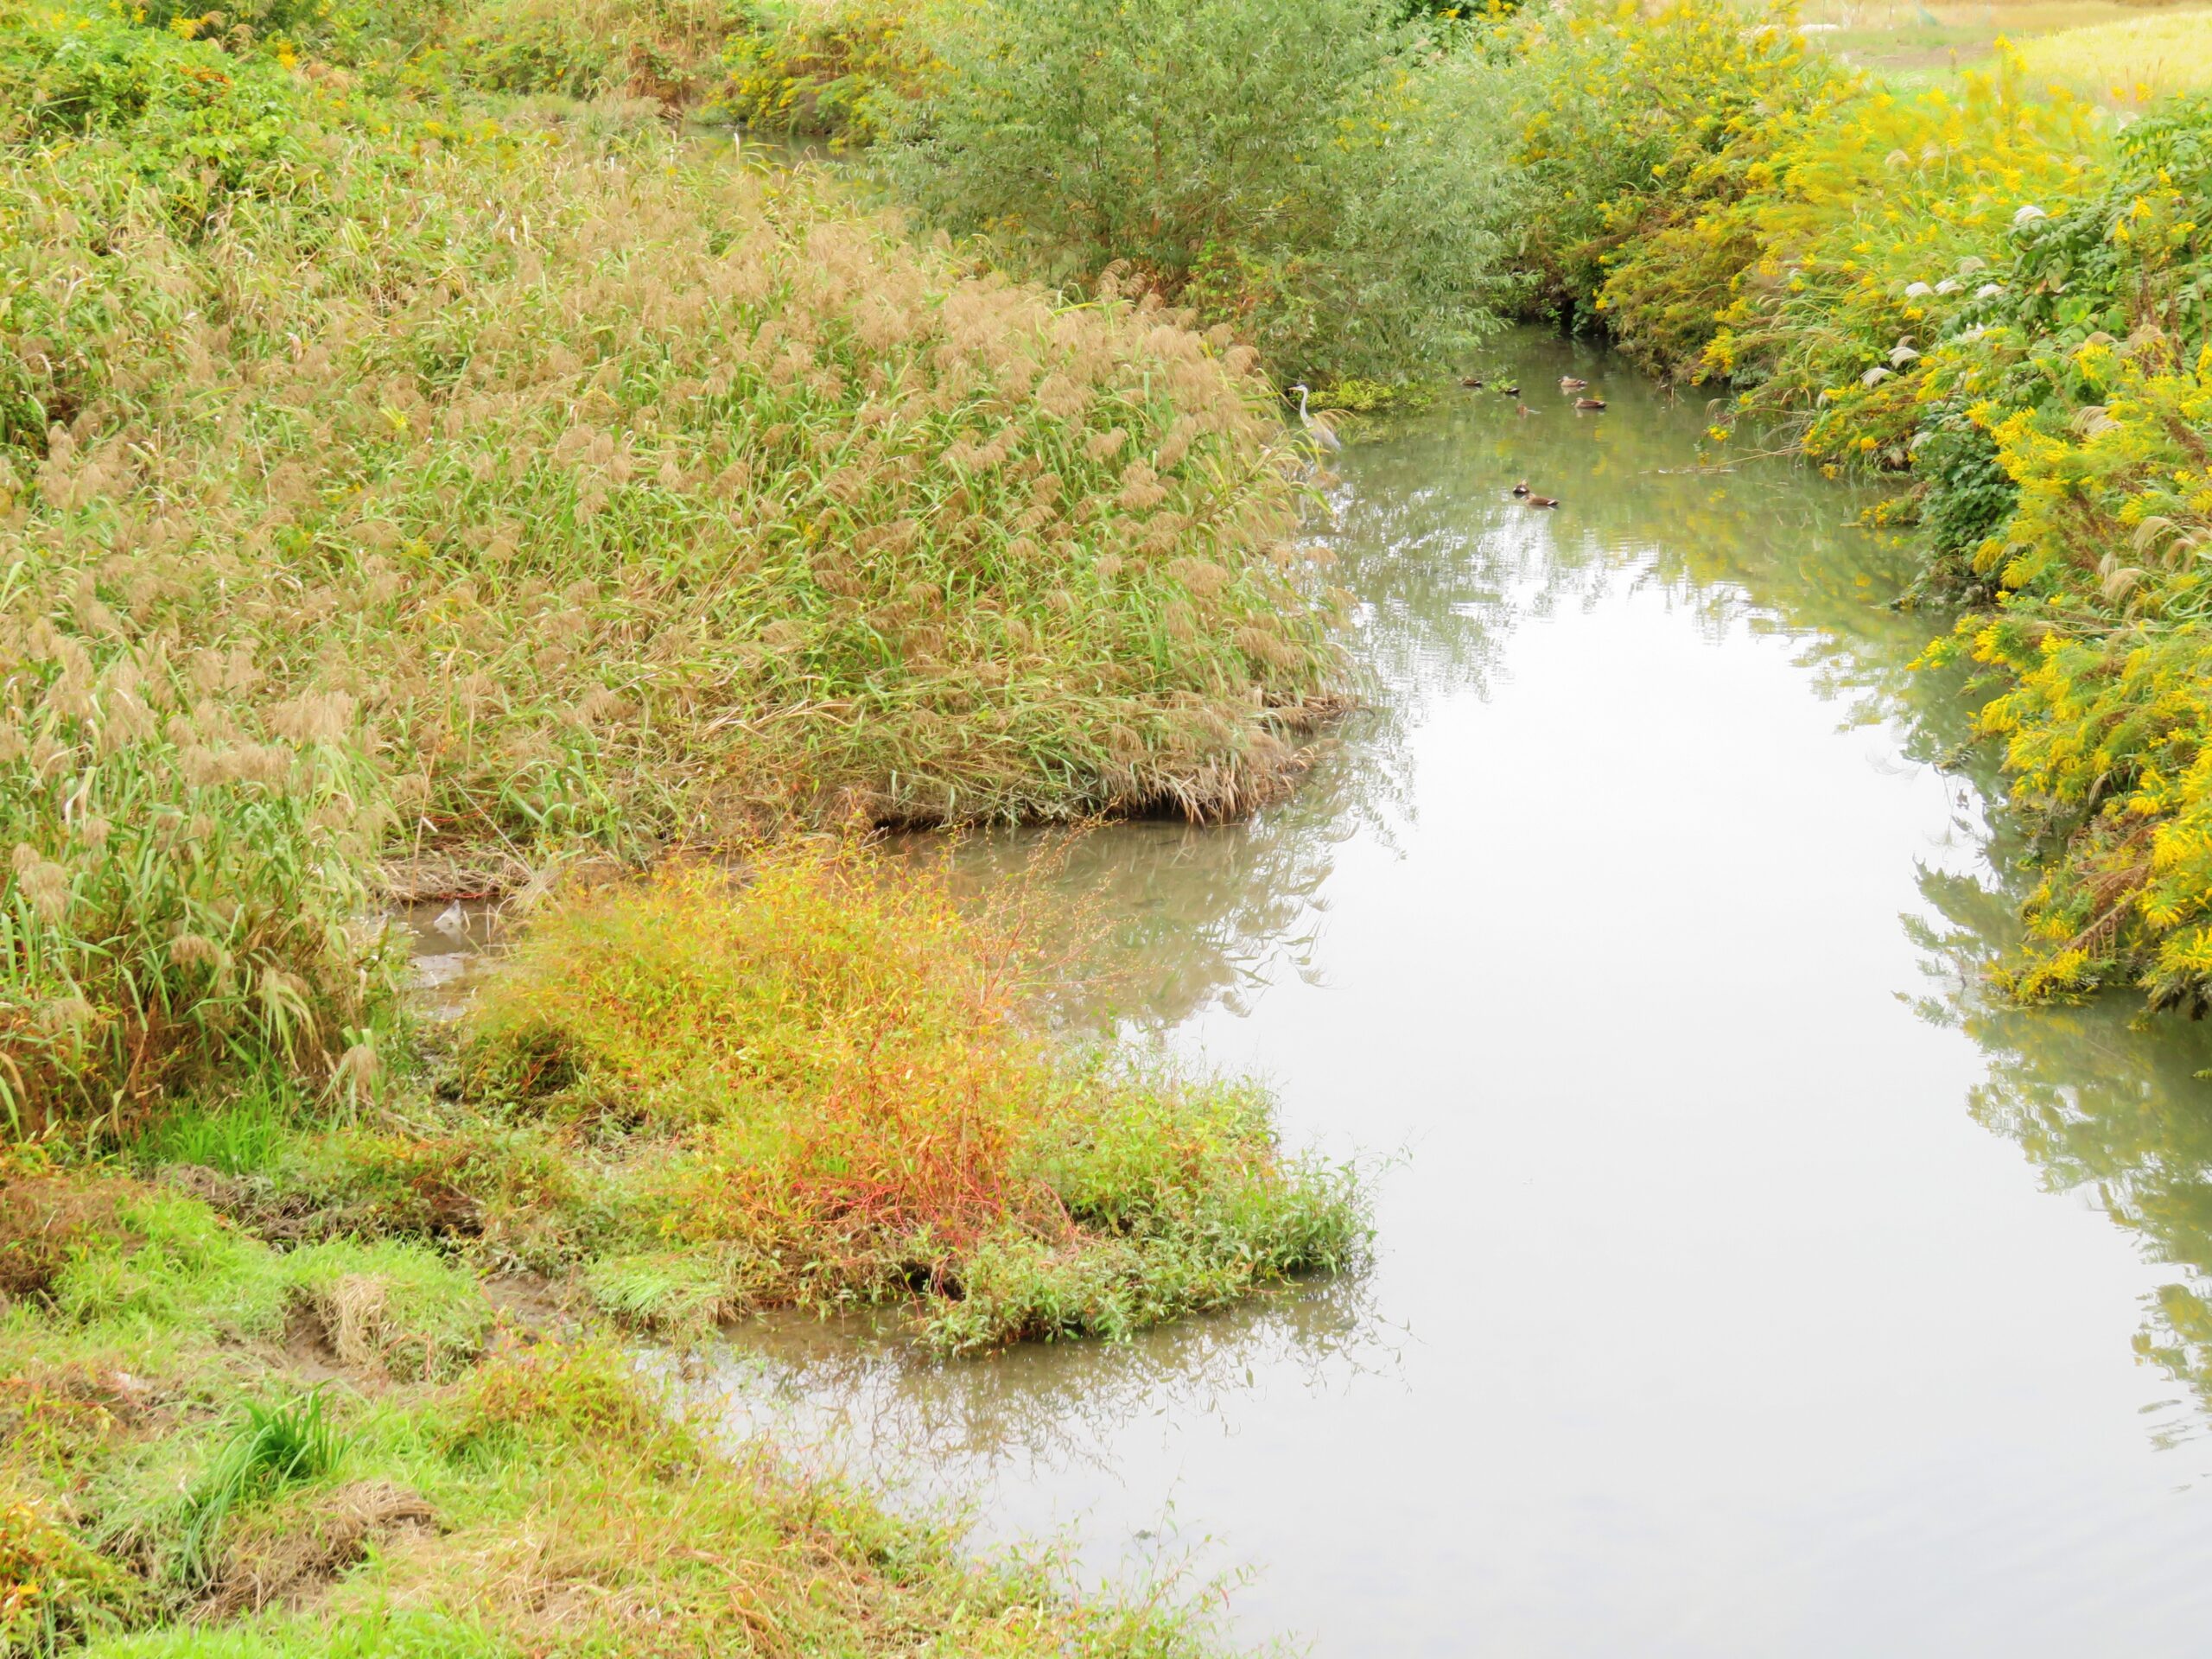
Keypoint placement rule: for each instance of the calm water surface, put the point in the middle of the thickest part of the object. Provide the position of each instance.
(1745, 1286)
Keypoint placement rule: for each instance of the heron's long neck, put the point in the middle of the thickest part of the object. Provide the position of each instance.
(1301, 402)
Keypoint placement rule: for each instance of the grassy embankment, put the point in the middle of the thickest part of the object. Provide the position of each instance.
(419, 468)
(600, 497)
(343, 1449)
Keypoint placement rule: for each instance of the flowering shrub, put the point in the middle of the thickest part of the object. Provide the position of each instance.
(2103, 567)
(1885, 226)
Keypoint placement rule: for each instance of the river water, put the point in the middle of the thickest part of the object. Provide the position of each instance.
(1745, 1284)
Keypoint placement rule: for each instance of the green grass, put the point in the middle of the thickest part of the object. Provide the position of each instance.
(240, 1134)
(287, 1444)
(541, 1499)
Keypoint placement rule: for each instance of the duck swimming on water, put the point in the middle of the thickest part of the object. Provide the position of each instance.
(1589, 402)
(1522, 488)
(1568, 383)
(1542, 501)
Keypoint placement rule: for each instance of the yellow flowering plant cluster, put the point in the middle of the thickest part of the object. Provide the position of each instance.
(2106, 627)
(826, 71)
(1642, 131)
(2068, 435)
(1882, 226)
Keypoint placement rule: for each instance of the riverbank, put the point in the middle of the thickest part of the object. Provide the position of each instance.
(1770, 1249)
(350, 1448)
(280, 1362)
(425, 473)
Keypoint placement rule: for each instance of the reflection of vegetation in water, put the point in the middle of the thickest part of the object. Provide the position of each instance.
(2101, 1098)
(892, 1414)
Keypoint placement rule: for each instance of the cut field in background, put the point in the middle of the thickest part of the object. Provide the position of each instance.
(2094, 46)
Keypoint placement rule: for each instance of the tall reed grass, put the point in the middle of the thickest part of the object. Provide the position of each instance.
(397, 499)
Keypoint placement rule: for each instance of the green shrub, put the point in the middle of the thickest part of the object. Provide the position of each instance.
(1307, 172)
(188, 121)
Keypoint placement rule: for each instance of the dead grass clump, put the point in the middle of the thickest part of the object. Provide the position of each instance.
(44, 1217)
(292, 1553)
(391, 1311)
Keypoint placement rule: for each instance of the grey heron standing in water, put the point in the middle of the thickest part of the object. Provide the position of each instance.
(1315, 428)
